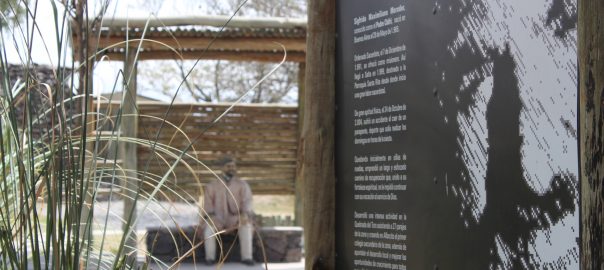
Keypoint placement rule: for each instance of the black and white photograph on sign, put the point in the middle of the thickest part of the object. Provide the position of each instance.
(456, 141)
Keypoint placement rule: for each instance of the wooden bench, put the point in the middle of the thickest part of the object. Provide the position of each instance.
(281, 244)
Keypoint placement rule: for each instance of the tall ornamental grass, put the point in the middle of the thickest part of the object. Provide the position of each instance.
(54, 158)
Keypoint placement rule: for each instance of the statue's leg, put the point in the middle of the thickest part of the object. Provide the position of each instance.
(209, 243)
(245, 240)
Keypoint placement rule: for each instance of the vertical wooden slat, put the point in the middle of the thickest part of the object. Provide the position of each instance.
(298, 203)
(265, 138)
(317, 138)
(128, 154)
(591, 122)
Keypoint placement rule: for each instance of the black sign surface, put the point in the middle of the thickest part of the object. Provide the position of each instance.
(456, 135)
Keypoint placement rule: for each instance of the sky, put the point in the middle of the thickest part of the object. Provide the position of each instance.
(44, 46)
(44, 50)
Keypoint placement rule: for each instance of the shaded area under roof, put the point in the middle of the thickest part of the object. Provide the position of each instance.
(203, 37)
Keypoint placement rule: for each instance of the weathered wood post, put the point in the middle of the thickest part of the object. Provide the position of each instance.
(317, 138)
(298, 204)
(128, 155)
(84, 52)
(591, 113)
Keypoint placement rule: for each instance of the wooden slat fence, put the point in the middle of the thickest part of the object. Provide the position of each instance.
(262, 137)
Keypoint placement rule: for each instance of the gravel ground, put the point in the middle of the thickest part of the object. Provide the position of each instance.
(155, 215)
(238, 266)
(168, 214)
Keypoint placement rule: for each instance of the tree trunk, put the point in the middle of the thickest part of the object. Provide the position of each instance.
(317, 140)
(591, 120)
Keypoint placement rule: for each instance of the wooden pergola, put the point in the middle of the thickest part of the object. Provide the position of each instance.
(187, 38)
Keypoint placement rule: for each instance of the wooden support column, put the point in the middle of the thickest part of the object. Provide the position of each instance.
(298, 216)
(83, 51)
(317, 140)
(591, 119)
(129, 128)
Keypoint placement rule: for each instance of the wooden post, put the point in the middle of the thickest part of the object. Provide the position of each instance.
(298, 216)
(591, 145)
(129, 128)
(84, 51)
(317, 138)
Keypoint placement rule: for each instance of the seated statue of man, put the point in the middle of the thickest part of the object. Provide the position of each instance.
(227, 203)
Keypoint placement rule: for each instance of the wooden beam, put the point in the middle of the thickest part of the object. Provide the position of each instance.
(210, 20)
(298, 204)
(317, 137)
(292, 56)
(591, 145)
(200, 43)
(220, 106)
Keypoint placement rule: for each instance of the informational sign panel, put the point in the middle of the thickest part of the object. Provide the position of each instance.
(456, 134)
